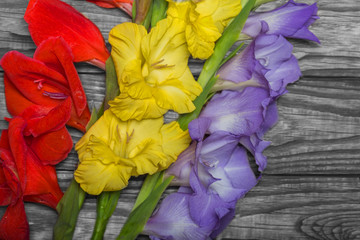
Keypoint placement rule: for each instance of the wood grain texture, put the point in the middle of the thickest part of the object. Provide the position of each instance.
(311, 187)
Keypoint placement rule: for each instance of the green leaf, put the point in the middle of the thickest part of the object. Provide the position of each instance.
(232, 54)
(260, 2)
(68, 209)
(199, 102)
(159, 11)
(146, 188)
(143, 12)
(94, 117)
(138, 217)
(223, 45)
(112, 86)
(106, 204)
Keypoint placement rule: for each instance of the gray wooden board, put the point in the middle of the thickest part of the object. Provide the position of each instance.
(311, 187)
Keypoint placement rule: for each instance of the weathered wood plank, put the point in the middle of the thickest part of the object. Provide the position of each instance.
(310, 189)
(318, 130)
(337, 28)
(278, 208)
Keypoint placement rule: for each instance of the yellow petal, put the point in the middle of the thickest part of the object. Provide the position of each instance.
(95, 177)
(125, 40)
(165, 50)
(125, 108)
(180, 10)
(188, 82)
(133, 82)
(175, 140)
(221, 11)
(147, 157)
(172, 95)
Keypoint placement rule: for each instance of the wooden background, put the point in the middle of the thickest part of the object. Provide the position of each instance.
(311, 188)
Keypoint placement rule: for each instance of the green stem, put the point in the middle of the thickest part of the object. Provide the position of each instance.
(106, 204)
(223, 45)
(68, 209)
(138, 217)
(146, 188)
(159, 11)
(260, 2)
(199, 102)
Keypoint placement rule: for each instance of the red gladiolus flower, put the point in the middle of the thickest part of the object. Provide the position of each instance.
(52, 18)
(125, 5)
(35, 141)
(45, 80)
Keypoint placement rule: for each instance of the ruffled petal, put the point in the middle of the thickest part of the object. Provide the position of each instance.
(95, 173)
(127, 108)
(164, 50)
(173, 221)
(174, 141)
(125, 40)
(239, 113)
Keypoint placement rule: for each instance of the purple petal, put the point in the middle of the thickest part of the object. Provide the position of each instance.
(198, 127)
(206, 208)
(276, 63)
(182, 167)
(272, 50)
(235, 178)
(270, 115)
(290, 20)
(241, 66)
(239, 113)
(256, 146)
(173, 221)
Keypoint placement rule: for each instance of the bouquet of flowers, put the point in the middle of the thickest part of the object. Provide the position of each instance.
(207, 152)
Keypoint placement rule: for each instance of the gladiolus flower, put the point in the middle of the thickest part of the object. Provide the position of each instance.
(113, 150)
(205, 21)
(290, 20)
(53, 18)
(152, 70)
(35, 141)
(267, 62)
(46, 80)
(125, 5)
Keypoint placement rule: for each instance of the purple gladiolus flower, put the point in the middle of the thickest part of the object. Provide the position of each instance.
(291, 20)
(267, 62)
(239, 113)
(221, 165)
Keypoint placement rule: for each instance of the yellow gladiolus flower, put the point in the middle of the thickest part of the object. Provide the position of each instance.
(113, 150)
(205, 21)
(152, 70)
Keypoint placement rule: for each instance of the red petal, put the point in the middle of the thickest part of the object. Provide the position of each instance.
(32, 79)
(4, 139)
(55, 53)
(18, 148)
(40, 121)
(53, 147)
(45, 199)
(110, 3)
(81, 121)
(14, 225)
(12, 95)
(41, 180)
(52, 18)
(9, 179)
(22, 91)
